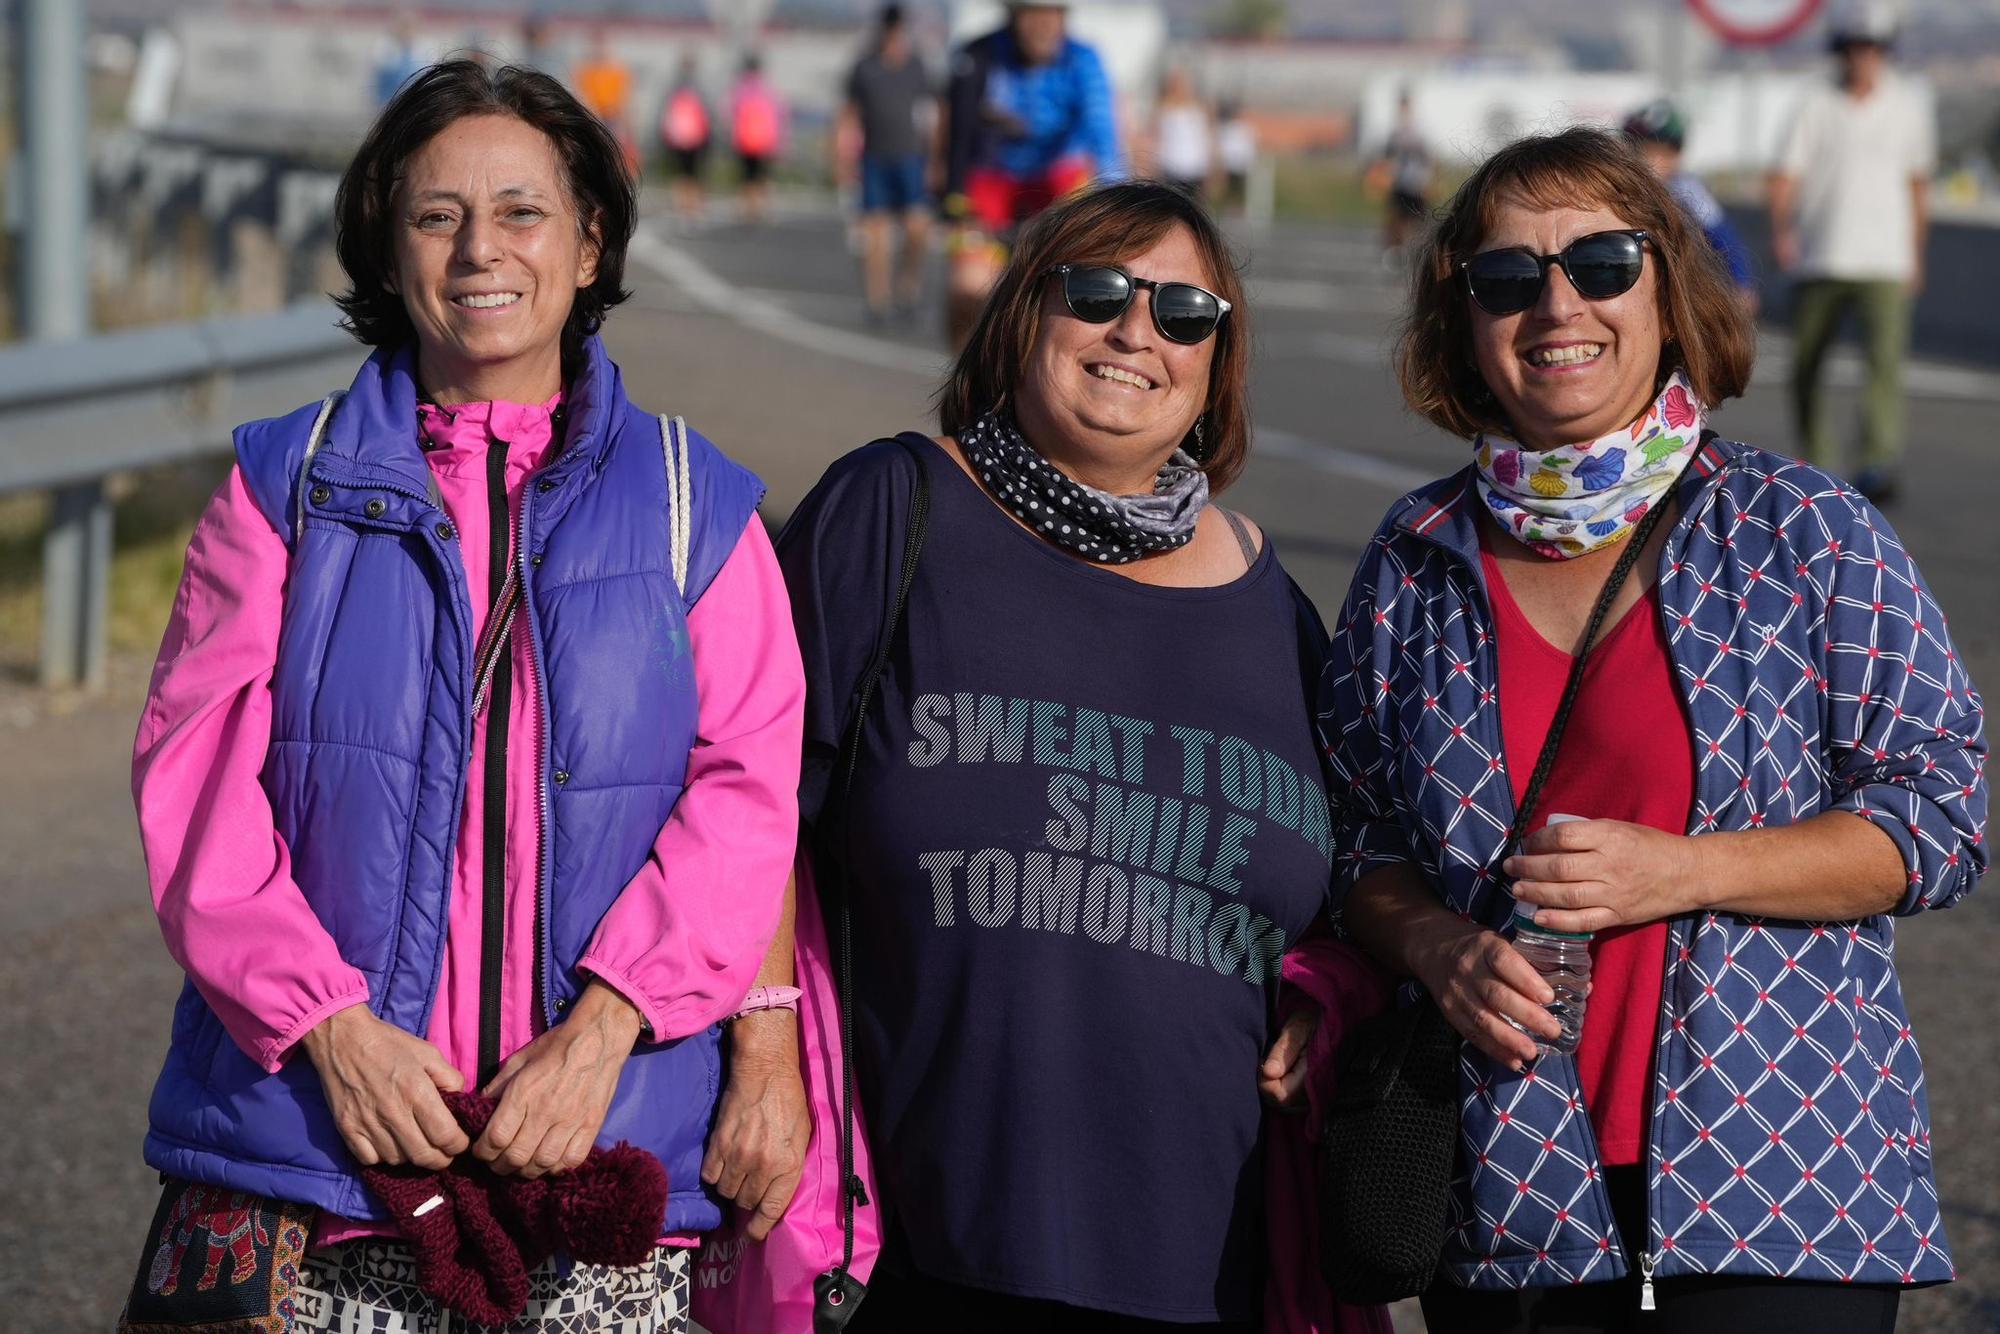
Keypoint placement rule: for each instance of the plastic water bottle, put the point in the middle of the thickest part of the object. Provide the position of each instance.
(1563, 960)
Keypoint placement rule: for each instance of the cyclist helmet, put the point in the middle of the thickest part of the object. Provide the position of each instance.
(1659, 121)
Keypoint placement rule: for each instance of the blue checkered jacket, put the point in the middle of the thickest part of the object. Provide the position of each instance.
(1789, 1132)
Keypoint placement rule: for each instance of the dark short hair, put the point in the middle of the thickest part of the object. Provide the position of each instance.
(1106, 225)
(593, 169)
(1708, 333)
(891, 16)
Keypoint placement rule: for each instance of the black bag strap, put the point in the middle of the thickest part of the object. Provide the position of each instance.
(836, 1292)
(1545, 763)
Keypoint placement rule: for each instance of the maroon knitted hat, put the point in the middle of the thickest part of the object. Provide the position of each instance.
(477, 1235)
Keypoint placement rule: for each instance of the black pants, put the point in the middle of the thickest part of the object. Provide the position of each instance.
(1695, 1304)
(906, 1304)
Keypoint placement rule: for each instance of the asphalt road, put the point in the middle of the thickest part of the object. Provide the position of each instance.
(756, 336)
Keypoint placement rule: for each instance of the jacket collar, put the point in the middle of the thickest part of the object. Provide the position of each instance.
(1446, 513)
(375, 428)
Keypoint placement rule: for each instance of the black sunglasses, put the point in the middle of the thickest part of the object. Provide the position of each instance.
(1600, 266)
(1099, 294)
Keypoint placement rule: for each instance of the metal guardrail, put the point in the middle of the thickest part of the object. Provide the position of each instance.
(73, 413)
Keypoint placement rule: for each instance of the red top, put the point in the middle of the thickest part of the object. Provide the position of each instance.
(1627, 755)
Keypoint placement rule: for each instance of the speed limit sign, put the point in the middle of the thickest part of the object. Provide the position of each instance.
(1755, 22)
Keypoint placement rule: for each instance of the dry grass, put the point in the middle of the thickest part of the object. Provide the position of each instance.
(155, 512)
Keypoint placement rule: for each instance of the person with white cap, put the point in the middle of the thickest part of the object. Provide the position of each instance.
(1849, 219)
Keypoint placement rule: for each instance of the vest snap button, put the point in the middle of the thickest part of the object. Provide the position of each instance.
(320, 495)
(535, 560)
(562, 776)
(376, 507)
(545, 486)
(561, 1005)
(446, 532)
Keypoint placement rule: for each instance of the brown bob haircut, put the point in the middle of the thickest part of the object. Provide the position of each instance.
(364, 208)
(1106, 225)
(1708, 335)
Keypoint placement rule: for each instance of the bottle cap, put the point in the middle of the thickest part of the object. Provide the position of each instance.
(1524, 920)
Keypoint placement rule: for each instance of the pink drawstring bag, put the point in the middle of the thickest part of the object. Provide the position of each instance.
(742, 1286)
(1347, 988)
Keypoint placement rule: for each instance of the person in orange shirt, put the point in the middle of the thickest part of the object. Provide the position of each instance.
(604, 84)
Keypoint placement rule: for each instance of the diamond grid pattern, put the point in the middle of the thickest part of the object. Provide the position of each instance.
(1790, 1134)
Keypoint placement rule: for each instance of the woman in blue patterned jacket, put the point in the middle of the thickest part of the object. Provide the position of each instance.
(1774, 752)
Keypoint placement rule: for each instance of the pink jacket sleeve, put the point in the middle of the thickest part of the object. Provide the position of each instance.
(221, 876)
(685, 939)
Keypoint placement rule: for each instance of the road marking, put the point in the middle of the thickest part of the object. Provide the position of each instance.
(1394, 477)
(757, 310)
(1845, 368)
(716, 293)
(1331, 298)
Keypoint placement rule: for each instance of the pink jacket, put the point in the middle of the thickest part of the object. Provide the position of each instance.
(242, 930)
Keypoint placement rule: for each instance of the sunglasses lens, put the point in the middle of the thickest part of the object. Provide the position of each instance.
(1185, 313)
(1096, 295)
(1606, 264)
(1504, 282)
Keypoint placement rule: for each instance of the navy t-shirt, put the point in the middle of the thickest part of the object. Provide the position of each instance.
(1087, 821)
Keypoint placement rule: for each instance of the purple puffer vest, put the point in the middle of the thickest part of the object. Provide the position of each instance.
(370, 739)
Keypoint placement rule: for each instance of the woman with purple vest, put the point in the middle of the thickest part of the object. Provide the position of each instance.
(471, 754)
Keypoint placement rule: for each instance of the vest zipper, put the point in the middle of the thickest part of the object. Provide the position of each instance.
(539, 693)
(1646, 1281)
(493, 820)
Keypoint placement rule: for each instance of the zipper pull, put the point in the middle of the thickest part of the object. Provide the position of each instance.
(1646, 1283)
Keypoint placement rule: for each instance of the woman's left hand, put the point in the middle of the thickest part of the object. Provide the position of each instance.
(1281, 1078)
(554, 1092)
(1587, 875)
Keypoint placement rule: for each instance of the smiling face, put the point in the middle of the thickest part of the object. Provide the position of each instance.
(489, 256)
(1109, 403)
(1568, 370)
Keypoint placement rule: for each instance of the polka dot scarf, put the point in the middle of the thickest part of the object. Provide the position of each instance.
(1101, 527)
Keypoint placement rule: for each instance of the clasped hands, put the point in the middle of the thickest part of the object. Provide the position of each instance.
(385, 1089)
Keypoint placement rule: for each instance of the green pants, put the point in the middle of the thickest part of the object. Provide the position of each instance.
(1817, 307)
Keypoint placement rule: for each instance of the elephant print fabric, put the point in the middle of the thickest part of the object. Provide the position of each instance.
(215, 1260)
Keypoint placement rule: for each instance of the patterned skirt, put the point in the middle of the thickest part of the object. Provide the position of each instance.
(370, 1287)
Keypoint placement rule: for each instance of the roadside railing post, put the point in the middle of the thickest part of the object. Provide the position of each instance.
(76, 586)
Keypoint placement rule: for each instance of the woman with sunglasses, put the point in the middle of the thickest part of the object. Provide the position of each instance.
(1087, 819)
(1772, 750)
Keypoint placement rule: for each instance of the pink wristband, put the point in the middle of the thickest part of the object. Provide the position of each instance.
(768, 998)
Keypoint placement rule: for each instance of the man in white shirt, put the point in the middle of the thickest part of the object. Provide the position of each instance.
(1849, 217)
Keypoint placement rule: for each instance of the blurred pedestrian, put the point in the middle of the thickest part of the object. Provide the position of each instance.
(1725, 663)
(402, 57)
(471, 753)
(1404, 170)
(1183, 136)
(1236, 151)
(757, 119)
(1850, 217)
(1660, 134)
(1029, 117)
(687, 131)
(890, 106)
(1073, 570)
(603, 83)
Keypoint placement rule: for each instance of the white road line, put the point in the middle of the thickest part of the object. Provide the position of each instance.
(755, 310)
(716, 293)
(1310, 295)
(1394, 477)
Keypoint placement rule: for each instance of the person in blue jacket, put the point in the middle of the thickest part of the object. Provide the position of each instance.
(1029, 117)
(1775, 753)
(1659, 132)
